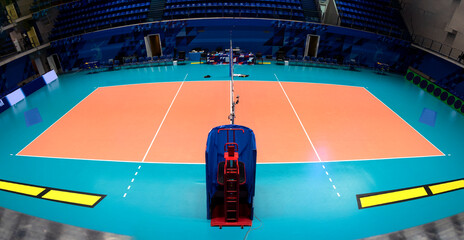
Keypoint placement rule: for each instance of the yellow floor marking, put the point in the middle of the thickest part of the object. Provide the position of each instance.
(446, 187)
(70, 197)
(392, 197)
(21, 188)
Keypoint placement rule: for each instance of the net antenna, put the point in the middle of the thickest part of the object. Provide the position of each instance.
(231, 73)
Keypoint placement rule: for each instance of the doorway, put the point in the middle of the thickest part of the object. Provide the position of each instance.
(312, 45)
(54, 62)
(153, 45)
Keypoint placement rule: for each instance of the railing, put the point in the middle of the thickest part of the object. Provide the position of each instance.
(292, 14)
(438, 47)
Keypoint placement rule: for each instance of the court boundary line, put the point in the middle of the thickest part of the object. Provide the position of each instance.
(197, 80)
(357, 160)
(323, 83)
(164, 118)
(102, 160)
(301, 124)
(386, 158)
(242, 80)
(71, 158)
(257, 80)
(134, 84)
(235, 79)
(340, 160)
(443, 154)
(311, 162)
(17, 154)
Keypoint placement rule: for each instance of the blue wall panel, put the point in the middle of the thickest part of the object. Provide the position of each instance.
(444, 73)
(13, 73)
(33, 86)
(256, 35)
(435, 67)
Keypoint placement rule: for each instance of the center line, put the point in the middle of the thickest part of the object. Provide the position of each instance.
(164, 118)
(304, 129)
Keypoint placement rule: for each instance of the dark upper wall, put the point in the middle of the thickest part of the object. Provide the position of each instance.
(438, 20)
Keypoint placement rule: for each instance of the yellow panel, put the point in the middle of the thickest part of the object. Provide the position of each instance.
(392, 197)
(446, 187)
(11, 10)
(266, 62)
(21, 188)
(33, 37)
(70, 197)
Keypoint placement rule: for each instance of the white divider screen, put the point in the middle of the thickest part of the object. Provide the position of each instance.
(50, 77)
(15, 96)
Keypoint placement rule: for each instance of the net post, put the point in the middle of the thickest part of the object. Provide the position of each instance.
(231, 73)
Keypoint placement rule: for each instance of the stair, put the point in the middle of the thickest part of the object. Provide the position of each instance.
(311, 10)
(231, 185)
(156, 10)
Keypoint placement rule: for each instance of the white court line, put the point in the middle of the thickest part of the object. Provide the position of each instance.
(383, 158)
(106, 160)
(164, 118)
(404, 121)
(123, 161)
(56, 121)
(71, 158)
(196, 80)
(307, 136)
(135, 84)
(310, 162)
(355, 160)
(227, 80)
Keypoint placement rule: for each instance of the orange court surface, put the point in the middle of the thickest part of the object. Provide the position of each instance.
(169, 123)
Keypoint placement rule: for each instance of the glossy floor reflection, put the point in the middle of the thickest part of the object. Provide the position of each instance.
(315, 200)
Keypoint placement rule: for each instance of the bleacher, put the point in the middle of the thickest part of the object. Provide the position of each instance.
(90, 15)
(39, 5)
(311, 10)
(281, 9)
(382, 16)
(7, 45)
(3, 18)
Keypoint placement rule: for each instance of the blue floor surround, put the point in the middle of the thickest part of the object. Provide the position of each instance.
(293, 201)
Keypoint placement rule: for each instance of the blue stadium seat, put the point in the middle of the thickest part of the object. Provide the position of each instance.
(155, 59)
(292, 58)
